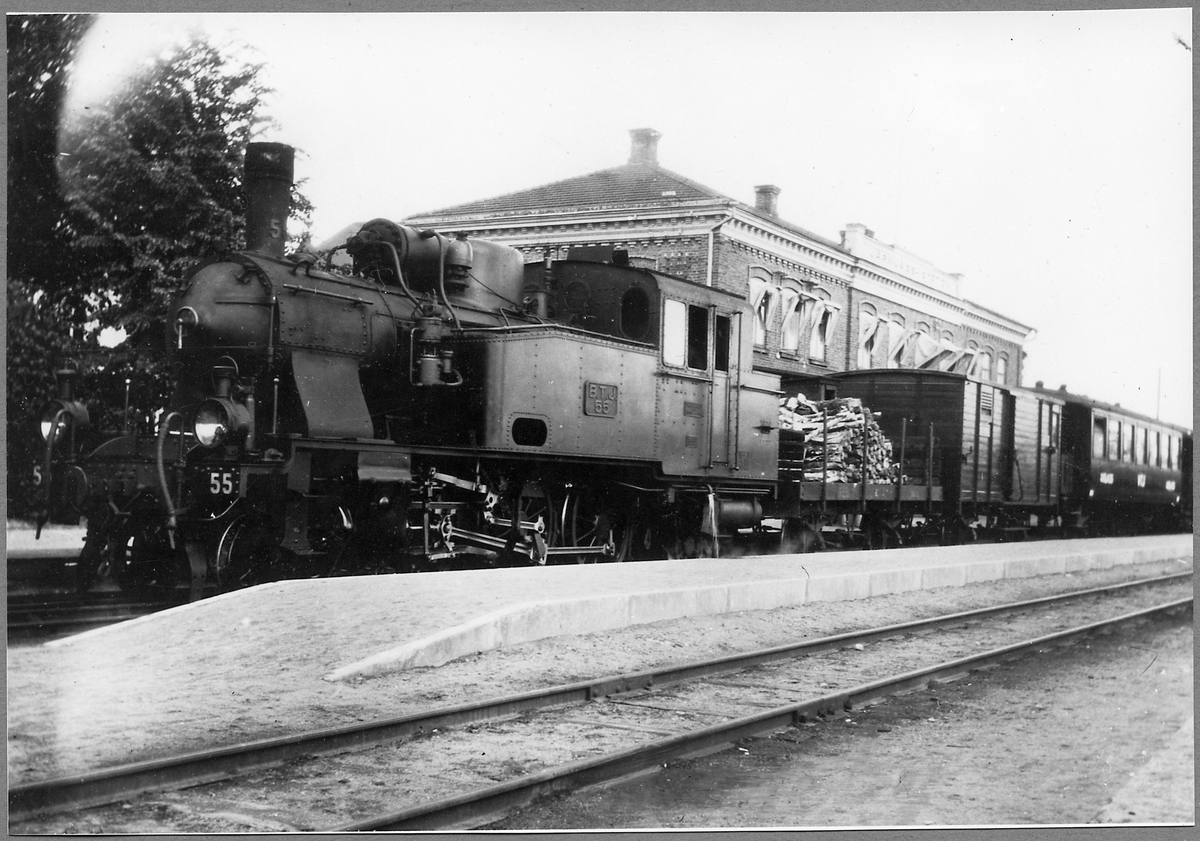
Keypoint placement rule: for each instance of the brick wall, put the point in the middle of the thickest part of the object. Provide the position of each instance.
(684, 257)
(687, 257)
(961, 336)
(735, 263)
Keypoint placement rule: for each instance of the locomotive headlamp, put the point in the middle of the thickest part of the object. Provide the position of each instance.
(61, 415)
(219, 420)
(65, 412)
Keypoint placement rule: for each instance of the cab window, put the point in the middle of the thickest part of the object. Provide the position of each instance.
(674, 333)
(685, 335)
(721, 339)
(635, 314)
(697, 344)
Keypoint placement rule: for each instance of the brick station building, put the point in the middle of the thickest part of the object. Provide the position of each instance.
(819, 306)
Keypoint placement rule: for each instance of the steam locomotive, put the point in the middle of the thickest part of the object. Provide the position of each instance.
(442, 404)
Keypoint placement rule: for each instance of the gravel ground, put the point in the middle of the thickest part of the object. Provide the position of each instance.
(1095, 733)
(67, 712)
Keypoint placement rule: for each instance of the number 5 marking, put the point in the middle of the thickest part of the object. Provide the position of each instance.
(220, 483)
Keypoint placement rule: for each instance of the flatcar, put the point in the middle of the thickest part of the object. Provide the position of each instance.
(441, 403)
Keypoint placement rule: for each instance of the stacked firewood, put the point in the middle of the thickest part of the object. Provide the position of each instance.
(833, 432)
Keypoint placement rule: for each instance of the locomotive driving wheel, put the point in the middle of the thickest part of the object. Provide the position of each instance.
(245, 554)
(587, 522)
(142, 560)
(94, 562)
(524, 517)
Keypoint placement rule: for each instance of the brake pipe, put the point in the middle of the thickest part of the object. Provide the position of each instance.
(400, 274)
(160, 462)
(442, 246)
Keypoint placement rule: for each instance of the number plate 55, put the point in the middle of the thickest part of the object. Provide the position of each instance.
(221, 482)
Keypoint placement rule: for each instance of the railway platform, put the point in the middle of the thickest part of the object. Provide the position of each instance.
(274, 659)
(30, 563)
(373, 625)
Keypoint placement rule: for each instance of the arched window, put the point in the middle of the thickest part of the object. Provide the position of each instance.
(983, 365)
(897, 340)
(927, 345)
(868, 334)
(967, 364)
(1002, 368)
(763, 298)
(824, 319)
(794, 307)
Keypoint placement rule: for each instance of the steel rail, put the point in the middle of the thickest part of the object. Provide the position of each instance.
(29, 622)
(31, 614)
(467, 810)
(109, 785)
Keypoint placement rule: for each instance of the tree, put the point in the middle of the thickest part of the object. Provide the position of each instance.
(150, 184)
(41, 49)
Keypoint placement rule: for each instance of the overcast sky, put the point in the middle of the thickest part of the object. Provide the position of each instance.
(1044, 156)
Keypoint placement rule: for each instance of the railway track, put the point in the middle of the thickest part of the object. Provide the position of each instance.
(350, 778)
(41, 616)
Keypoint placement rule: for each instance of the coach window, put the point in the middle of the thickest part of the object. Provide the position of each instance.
(1114, 440)
(1139, 446)
(1172, 449)
(1099, 436)
(868, 332)
(1126, 442)
(1152, 449)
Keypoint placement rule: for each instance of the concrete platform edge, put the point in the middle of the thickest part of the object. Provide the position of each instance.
(527, 621)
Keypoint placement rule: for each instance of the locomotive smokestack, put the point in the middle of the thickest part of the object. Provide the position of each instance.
(268, 186)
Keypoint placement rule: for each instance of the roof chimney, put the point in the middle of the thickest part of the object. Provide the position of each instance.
(644, 149)
(765, 198)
